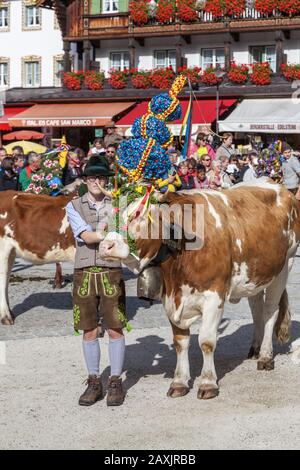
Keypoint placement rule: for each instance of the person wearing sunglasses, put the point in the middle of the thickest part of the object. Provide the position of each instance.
(203, 148)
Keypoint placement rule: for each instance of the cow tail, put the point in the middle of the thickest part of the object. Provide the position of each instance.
(283, 323)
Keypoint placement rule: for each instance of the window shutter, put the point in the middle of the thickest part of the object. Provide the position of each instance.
(96, 7)
(123, 6)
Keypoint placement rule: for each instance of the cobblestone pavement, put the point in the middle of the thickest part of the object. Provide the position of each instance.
(42, 379)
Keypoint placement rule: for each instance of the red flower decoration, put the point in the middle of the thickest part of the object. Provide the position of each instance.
(165, 11)
(118, 78)
(261, 74)
(162, 78)
(186, 10)
(139, 12)
(291, 72)
(193, 74)
(94, 80)
(73, 80)
(265, 7)
(290, 7)
(238, 73)
(140, 79)
(209, 77)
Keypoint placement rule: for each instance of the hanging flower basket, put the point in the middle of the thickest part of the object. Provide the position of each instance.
(165, 12)
(266, 7)
(162, 78)
(94, 80)
(238, 73)
(193, 74)
(291, 72)
(138, 10)
(73, 80)
(140, 79)
(209, 77)
(261, 74)
(186, 10)
(118, 79)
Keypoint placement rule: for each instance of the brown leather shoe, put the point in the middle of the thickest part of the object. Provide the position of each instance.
(115, 393)
(93, 393)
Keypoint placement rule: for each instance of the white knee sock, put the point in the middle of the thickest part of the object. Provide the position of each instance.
(91, 351)
(116, 351)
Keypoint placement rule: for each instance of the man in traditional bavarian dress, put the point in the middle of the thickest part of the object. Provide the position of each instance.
(97, 284)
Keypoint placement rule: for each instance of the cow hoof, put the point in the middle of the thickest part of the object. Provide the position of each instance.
(265, 364)
(7, 321)
(253, 353)
(207, 393)
(176, 392)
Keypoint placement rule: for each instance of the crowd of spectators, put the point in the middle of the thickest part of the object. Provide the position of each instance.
(208, 166)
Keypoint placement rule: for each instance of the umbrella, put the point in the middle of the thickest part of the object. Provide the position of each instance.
(26, 146)
(23, 135)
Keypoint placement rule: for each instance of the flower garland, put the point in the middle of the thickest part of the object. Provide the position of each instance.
(165, 12)
(139, 13)
(209, 77)
(266, 7)
(238, 73)
(94, 80)
(118, 78)
(162, 78)
(291, 72)
(186, 10)
(261, 74)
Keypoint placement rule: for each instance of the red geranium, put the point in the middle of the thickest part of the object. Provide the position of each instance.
(290, 7)
(238, 73)
(266, 6)
(73, 80)
(140, 79)
(139, 12)
(186, 10)
(94, 80)
(118, 78)
(216, 7)
(165, 11)
(261, 74)
(162, 78)
(193, 74)
(209, 77)
(291, 72)
(234, 7)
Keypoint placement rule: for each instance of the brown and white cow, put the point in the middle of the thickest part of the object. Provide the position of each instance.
(251, 232)
(34, 228)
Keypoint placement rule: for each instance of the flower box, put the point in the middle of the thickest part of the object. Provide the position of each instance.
(118, 79)
(186, 10)
(266, 7)
(165, 12)
(291, 72)
(289, 7)
(139, 13)
(73, 80)
(193, 74)
(94, 80)
(162, 78)
(208, 77)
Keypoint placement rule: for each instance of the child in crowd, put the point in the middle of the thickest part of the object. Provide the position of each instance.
(187, 180)
(201, 180)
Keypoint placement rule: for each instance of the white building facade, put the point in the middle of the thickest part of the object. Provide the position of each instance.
(31, 47)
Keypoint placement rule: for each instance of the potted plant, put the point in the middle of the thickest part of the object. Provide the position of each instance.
(186, 10)
(140, 79)
(291, 72)
(261, 73)
(118, 78)
(238, 73)
(94, 80)
(165, 11)
(73, 80)
(162, 78)
(209, 77)
(193, 74)
(139, 13)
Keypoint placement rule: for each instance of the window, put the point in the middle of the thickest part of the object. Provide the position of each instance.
(110, 6)
(32, 18)
(3, 74)
(58, 69)
(264, 54)
(119, 60)
(164, 59)
(3, 17)
(32, 74)
(213, 57)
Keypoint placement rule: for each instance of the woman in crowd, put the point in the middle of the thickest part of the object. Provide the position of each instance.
(201, 180)
(8, 177)
(226, 150)
(203, 148)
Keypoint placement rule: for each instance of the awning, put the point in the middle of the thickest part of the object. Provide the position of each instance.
(9, 113)
(272, 116)
(70, 115)
(204, 113)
